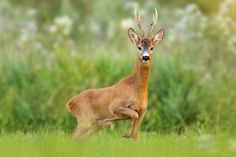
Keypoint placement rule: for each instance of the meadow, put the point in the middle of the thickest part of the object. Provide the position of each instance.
(59, 144)
(50, 51)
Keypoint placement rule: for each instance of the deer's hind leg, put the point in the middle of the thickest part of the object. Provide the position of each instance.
(86, 128)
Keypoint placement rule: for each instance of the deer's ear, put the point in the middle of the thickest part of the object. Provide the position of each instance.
(133, 36)
(158, 37)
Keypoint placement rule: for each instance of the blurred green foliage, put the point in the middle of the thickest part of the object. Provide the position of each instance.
(192, 82)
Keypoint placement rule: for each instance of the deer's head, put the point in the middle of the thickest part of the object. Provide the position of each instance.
(144, 44)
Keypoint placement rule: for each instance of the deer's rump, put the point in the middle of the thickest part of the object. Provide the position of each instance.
(92, 102)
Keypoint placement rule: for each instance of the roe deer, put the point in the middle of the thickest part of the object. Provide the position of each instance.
(127, 99)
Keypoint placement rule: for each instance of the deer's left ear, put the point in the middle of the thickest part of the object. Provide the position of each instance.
(133, 36)
(158, 37)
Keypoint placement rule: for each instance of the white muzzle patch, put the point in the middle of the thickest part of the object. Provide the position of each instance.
(145, 56)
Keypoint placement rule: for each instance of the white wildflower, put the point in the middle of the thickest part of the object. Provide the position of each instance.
(23, 38)
(31, 12)
(230, 1)
(221, 19)
(191, 8)
(53, 29)
(186, 26)
(126, 23)
(205, 138)
(61, 25)
(205, 141)
(28, 31)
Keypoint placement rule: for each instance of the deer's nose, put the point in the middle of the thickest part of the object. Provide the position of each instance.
(145, 58)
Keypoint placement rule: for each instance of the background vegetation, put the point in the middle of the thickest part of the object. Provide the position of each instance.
(49, 51)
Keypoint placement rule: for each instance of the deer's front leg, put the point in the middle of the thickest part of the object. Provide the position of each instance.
(126, 112)
(136, 123)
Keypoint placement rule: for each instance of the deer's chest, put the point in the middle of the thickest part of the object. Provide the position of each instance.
(133, 99)
(139, 102)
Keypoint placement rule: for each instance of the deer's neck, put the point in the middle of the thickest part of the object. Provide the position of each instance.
(141, 76)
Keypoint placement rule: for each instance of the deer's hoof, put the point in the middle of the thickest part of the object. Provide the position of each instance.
(126, 135)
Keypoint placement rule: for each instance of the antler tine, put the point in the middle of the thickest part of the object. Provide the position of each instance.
(154, 23)
(138, 20)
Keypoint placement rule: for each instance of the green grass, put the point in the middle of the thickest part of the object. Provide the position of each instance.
(192, 82)
(58, 144)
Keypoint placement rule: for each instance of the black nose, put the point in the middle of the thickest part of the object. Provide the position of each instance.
(145, 58)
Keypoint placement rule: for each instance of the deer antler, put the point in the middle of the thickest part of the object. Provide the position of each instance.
(138, 20)
(154, 23)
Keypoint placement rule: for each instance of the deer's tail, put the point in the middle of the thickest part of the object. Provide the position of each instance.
(72, 107)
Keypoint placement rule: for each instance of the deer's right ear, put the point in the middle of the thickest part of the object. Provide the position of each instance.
(158, 37)
(133, 36)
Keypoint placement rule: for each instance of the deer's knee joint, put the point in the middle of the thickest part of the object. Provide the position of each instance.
(135, 115)
(127, 112)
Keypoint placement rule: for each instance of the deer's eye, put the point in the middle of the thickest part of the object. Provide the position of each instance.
(151, 48)
(140, 48)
